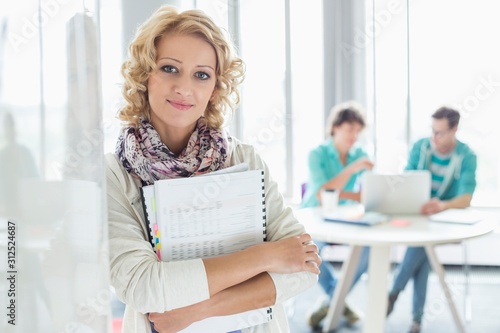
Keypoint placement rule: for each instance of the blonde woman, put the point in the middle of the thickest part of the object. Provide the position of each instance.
(181, 81)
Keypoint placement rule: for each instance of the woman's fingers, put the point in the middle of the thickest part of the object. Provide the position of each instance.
(312, 266)
(305, 238)
(311, 257)
(294, 254)
(311, 247)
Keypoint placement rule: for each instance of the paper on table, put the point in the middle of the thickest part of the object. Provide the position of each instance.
(355, 214)
(455, 215)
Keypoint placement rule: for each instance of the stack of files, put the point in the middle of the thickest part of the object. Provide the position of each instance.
(207, 216)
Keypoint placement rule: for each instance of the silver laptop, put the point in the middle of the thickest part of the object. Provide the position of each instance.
(402, 193)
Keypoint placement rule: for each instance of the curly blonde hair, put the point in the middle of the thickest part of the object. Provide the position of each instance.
(142, 61)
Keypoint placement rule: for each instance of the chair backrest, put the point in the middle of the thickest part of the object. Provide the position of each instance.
(303, 188)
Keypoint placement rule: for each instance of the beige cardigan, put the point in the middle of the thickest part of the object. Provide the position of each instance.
(146, 285)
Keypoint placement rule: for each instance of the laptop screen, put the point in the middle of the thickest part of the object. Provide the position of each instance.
(402, 193)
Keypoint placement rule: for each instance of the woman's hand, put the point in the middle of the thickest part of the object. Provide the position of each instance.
(174, 320)
(291, 255)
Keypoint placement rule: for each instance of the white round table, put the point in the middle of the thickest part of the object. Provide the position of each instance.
(410, 230)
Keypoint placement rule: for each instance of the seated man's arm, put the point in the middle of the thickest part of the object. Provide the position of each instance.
(462, 201)
(435, 205)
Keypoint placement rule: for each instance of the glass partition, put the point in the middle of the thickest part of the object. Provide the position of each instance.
(53, 235)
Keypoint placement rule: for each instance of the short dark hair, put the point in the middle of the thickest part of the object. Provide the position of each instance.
(451, 114)
(349, 112)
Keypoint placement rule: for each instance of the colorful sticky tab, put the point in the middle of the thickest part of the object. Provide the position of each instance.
(153, 204)
(157, 240)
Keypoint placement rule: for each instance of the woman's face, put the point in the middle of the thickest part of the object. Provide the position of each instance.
(181, 86)
(346, 134)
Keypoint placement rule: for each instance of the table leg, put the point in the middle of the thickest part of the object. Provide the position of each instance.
(468, 297)
(377, 289)
(349, 268)
(438, 269)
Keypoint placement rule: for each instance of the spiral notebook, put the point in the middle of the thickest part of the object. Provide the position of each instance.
(207, 216)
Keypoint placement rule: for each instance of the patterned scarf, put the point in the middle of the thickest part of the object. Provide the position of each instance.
(142, 152)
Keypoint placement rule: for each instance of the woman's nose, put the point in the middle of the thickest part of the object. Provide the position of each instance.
(183, 85)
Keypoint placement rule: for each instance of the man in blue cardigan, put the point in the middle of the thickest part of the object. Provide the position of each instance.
(453, 168)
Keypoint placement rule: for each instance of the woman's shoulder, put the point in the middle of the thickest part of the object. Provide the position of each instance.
(242, 152)
(117, 175)
(113, 165)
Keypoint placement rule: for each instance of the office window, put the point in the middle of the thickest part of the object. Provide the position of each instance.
(218, 11)
(265, 118)
(262, 25)
(458, 64)
(421, 61)
(307, 85)
(385, 40)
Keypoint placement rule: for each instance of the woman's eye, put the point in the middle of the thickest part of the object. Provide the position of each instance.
(202, 75)
(169, 69)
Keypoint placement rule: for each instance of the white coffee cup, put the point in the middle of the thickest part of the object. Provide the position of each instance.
(329, 200)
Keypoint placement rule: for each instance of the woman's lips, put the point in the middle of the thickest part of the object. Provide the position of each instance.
(180, 105)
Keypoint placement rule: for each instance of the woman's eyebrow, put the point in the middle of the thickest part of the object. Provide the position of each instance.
(180, 62)
(207, 66)
(170, 58)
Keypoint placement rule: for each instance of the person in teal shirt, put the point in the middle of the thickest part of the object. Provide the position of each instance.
(453, 170)
(325, 164)
(337, 164)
